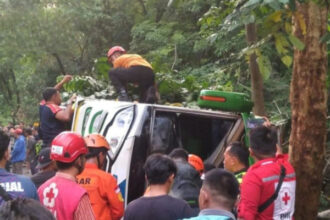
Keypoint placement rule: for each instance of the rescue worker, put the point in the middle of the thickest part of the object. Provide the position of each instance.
(53, 119)
(131, 68)
(61, 194)
(104, 193)
(268, 188)
(236, 160)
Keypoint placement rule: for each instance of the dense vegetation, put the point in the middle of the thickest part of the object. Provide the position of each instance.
(192, 44)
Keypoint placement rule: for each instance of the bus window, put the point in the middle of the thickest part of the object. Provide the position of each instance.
(97, 122)
(202, 135)
(117, 132)
(164, 135)
(86, 117)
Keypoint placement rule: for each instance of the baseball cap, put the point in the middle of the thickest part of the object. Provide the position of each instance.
(44, 158)
(18, 131)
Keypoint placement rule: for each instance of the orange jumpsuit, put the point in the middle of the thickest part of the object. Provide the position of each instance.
(104, 193)
(129, 60)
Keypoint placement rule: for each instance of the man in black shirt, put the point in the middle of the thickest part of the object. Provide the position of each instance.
(53, 118)
(47, 168)
(160, 171)
(187, 182)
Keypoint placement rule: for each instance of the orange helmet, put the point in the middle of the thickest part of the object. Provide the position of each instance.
(196, 162)
(115, 49)
(96, 141)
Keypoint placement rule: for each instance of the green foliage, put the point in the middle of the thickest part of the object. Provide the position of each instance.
(191, 44)
(83, 85)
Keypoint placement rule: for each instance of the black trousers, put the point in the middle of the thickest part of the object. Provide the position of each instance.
(141, 75)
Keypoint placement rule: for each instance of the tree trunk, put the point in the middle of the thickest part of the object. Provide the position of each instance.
(256, 78)
(308, 97)
(17, 93)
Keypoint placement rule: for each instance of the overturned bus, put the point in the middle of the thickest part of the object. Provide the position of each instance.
(136, 130)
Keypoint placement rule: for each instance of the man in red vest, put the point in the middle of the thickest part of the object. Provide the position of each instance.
(61, 194)
(268, 188)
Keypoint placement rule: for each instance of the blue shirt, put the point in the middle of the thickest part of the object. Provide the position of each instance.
(18, 153)
(17, 185)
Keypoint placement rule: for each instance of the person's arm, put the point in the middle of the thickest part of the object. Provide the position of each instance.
(65, 79)
(84, 210)
(250, 197)
(115, 198)
(66, 114)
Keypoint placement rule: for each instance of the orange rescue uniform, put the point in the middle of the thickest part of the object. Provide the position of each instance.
(104, 193)
(128, 60)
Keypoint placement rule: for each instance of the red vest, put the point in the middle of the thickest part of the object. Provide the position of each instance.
(61, 196)
(260, 183)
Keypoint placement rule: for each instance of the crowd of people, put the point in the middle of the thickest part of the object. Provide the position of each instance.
(71, 184)
(66, 178)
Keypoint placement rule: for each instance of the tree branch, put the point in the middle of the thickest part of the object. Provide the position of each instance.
(58, 59)
(145, 12)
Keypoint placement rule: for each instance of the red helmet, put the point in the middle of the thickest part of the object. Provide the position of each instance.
(115, 49)
(67, 146)
(196, 162)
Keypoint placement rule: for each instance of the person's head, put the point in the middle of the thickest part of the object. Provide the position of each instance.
(44, 161)
(160, 170)
(114, 53)
(179, 154)
(18, 132)
(24, 209)
(4, 142)
(263, 142)
(98, 147)
(27, 132)
(34, 131)
(219, 190)
(51, 94)
(21, 125)
(236, 157)
(196, 162)
(12, 132)
(68, 150)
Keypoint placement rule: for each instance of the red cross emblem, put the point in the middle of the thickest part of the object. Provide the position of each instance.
(286, 198)
(50, 193)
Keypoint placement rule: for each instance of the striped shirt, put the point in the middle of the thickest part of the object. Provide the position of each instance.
(84, 210)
